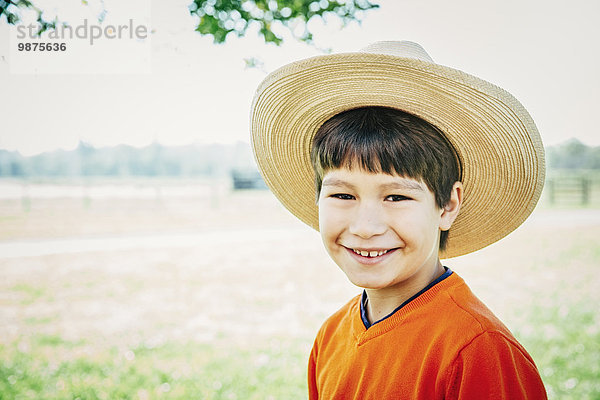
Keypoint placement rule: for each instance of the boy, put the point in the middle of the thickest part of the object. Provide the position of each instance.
(396, 146)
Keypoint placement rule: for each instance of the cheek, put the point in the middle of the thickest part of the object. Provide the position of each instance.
(417, 227)
(330, 223)
(431, 230)
(326, 216)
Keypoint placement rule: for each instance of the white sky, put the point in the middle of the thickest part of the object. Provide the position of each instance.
(545, 52)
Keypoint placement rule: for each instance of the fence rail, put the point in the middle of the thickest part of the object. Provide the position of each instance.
(581, 190)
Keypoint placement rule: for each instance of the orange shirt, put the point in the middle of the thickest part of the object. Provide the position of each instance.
(444, 344)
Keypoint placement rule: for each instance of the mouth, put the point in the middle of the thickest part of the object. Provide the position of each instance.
(370, 255)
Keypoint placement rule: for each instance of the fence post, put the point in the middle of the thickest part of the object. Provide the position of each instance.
(585, 191)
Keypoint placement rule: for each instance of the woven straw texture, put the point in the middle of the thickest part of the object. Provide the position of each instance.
(496, 140)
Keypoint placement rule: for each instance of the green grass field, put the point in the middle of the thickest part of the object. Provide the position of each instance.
(236, 319)
(49, 367)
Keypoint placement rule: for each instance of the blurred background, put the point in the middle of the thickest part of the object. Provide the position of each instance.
(141, 255)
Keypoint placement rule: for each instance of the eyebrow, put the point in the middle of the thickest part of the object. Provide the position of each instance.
(403, 185)
(400, 185)
(336, 182)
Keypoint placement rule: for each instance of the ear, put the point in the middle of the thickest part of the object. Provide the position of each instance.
(450, 210)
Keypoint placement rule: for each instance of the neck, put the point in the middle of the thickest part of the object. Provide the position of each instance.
(381, 302)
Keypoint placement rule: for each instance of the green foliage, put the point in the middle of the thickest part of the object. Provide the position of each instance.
(219, 18)
(123, 160)
(198, 160)
(9, 9)
(573, 155)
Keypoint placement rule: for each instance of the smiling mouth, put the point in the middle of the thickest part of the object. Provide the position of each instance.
(371, 253)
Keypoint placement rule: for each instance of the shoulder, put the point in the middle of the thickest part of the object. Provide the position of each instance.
(488, 361)
(469, 315)
(466, 325)
(475, 324)
(494, 366)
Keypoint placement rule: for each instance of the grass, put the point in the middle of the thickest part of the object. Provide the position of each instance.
(211, 322)
(564, 341)
(29, 293)
(56, 369)
(565, 344)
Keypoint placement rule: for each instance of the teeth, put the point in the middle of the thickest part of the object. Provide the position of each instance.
(373, 253)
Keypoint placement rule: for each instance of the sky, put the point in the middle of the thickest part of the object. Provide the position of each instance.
(177, 87)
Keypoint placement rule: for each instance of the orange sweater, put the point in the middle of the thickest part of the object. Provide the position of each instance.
(445, 344)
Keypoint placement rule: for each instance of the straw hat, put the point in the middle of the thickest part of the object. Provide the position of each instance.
(498, 144)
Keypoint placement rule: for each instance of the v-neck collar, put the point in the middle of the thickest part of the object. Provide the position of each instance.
(363, 300)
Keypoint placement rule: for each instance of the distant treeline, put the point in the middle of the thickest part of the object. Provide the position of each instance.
(199, 160)
(573, 155)
(123, 160)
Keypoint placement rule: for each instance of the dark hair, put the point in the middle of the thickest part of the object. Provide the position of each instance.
(387, 140)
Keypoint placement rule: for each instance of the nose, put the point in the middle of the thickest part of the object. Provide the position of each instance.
(368, 221)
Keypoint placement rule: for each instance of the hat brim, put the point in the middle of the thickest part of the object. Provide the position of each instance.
(496, 140)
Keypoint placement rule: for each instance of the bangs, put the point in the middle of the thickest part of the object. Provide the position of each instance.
(386, 140)
(370, 145)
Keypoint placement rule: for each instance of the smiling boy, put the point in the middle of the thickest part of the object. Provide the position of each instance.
(411, 161)
(383, 232)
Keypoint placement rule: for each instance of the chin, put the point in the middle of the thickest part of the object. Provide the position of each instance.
(370, 283)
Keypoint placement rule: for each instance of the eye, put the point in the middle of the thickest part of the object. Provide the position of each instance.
(342, 196)
(396, 197)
